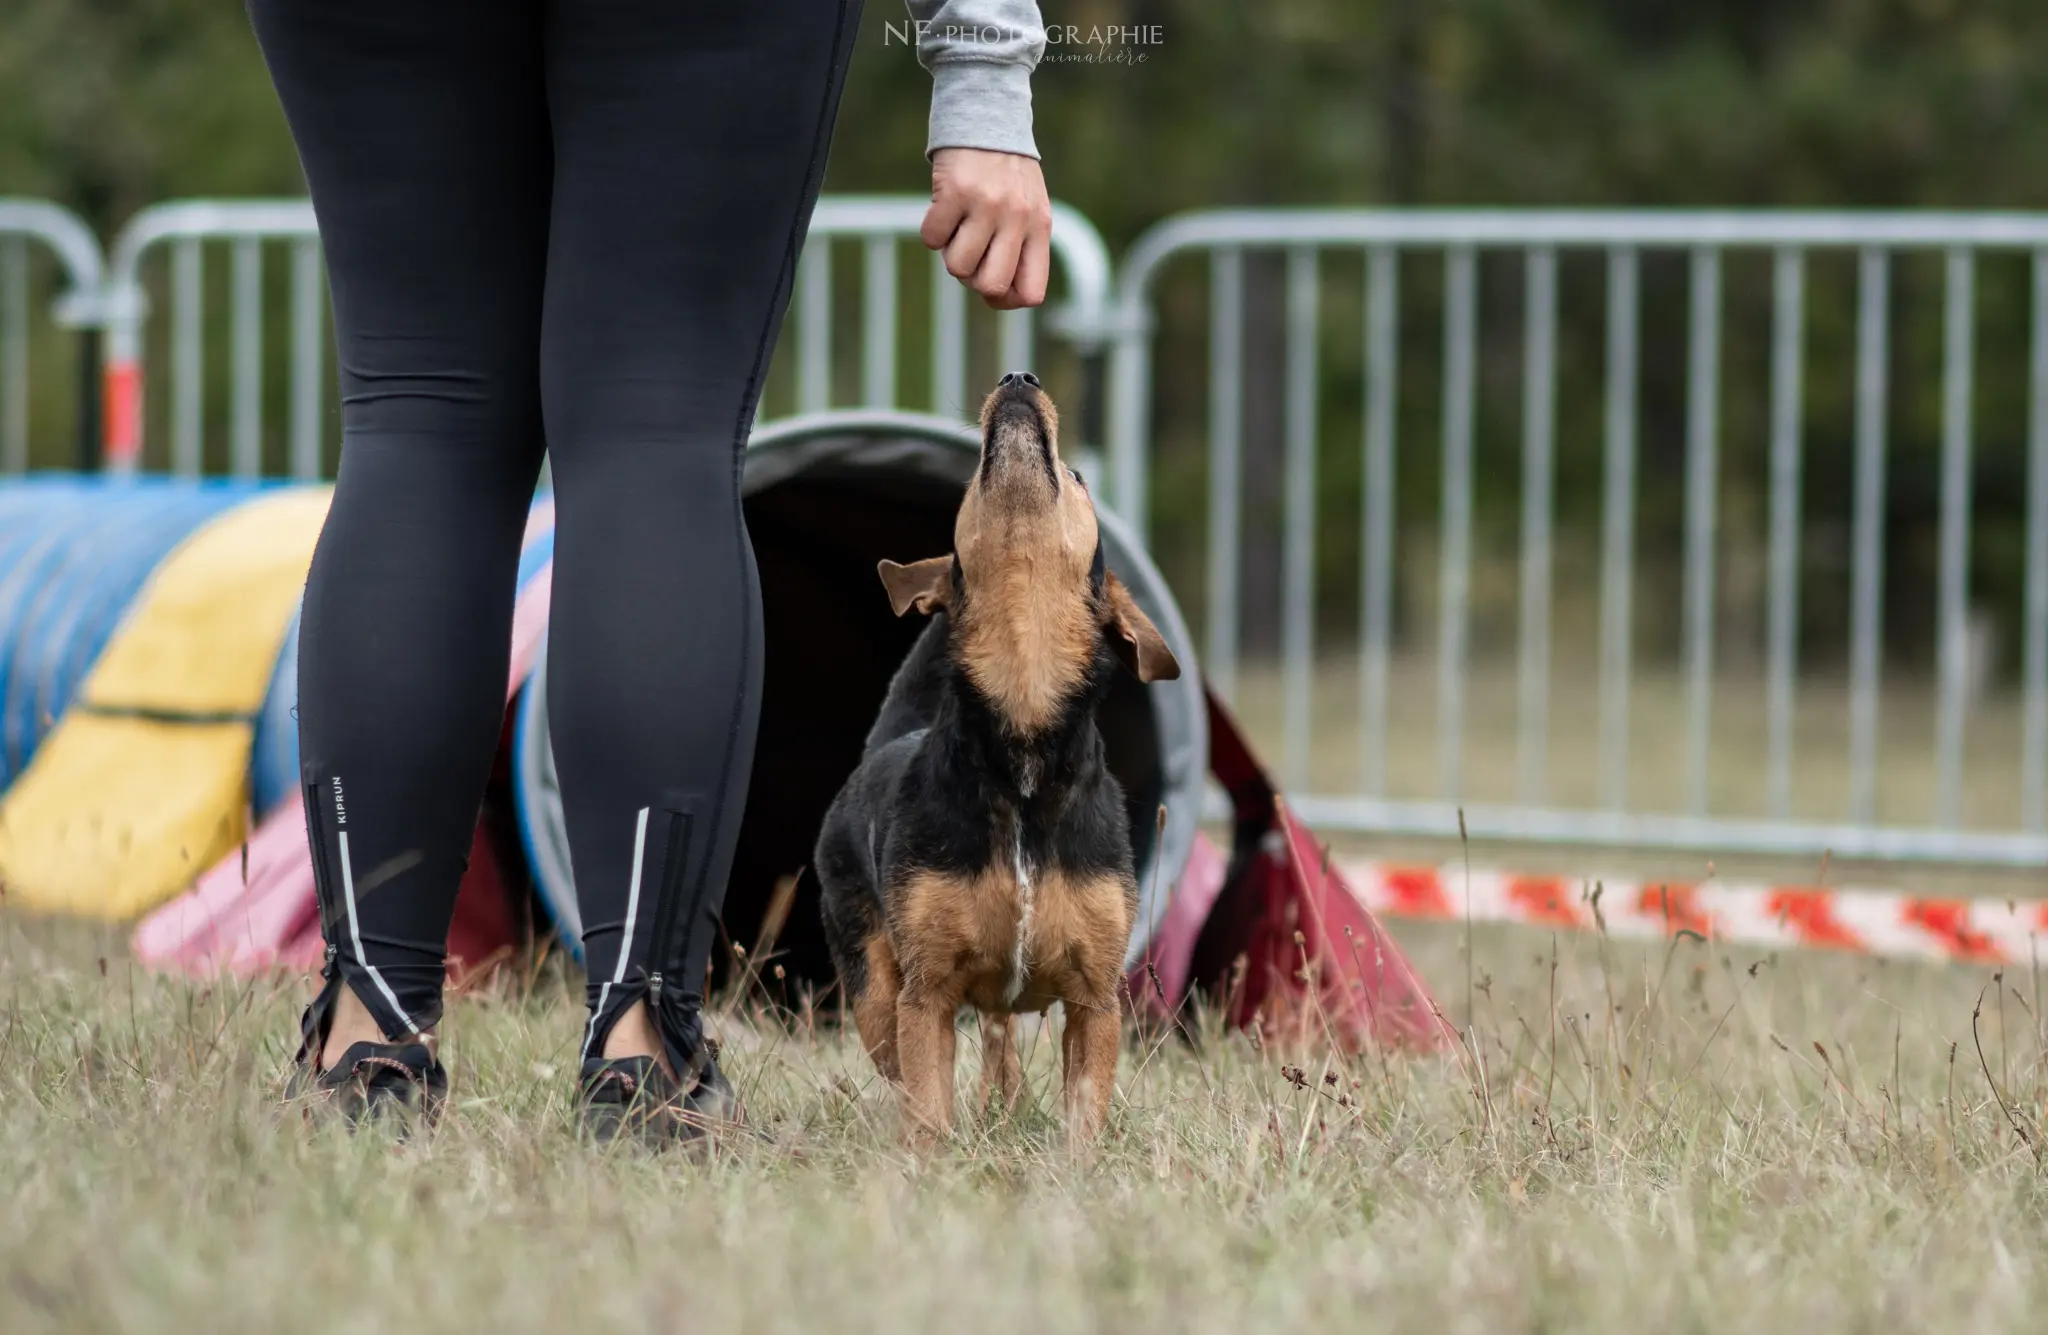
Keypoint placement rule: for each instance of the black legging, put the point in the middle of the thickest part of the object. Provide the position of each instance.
(572, 222)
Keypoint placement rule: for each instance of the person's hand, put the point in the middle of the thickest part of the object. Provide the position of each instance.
(991, 216)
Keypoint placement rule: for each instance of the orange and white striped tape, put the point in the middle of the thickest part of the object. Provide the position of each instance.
(1873, 922)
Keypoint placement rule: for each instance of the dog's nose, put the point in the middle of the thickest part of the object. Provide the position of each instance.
(1019, 378)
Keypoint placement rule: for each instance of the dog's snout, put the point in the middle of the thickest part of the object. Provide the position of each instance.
(1019, 425)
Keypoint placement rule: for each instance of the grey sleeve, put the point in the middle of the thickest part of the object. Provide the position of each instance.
(980, 54)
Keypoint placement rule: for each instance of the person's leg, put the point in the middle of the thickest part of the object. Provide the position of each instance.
(689, 143)
(422, 129)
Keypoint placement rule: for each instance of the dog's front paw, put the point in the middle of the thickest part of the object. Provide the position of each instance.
(922, 1136)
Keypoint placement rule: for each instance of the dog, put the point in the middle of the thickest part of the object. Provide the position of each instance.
(980, 852)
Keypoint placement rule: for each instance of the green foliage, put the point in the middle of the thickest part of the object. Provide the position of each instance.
(113, 104)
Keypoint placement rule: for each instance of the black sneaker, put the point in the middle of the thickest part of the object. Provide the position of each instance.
(373, 1083)
(633, 1096)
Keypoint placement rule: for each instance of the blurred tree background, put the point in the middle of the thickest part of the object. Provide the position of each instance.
(113, 104)
(109, 105)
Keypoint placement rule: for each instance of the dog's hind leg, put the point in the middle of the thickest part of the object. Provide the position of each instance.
(1002, 1074)
(1088, 1055)
(874, 1006)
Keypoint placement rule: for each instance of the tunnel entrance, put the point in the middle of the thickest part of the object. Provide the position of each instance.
(826, 498)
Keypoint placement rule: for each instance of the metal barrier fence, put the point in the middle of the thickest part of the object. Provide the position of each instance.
(1303, 237)
(1094, 316)
(26, 223)
(186, 228)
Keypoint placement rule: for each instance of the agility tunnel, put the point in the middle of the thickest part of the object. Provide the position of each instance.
(826, 498)
(73, 555)
(1265, 924)
(148, 652)
(128, 776)
(258, 910)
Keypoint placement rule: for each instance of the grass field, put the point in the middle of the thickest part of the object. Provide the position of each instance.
(1635, 1140)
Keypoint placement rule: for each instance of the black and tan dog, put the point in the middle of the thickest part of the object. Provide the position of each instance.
(980, 854)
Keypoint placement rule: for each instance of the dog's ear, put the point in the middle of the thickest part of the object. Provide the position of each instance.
(924, 585)
(1136, 640)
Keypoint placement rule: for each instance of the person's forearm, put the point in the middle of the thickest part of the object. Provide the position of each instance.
(981, 54)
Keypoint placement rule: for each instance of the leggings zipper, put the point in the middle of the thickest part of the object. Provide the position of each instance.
(675, 860)
(323, 878)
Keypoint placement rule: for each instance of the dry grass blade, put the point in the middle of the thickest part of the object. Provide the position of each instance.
(2004, 1104)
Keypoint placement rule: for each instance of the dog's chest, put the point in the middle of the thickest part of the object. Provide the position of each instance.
(1017, 934)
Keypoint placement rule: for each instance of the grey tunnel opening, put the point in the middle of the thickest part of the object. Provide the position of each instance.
(826, 498)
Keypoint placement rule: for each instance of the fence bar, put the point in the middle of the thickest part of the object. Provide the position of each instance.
(814, 327)
(1618, 522)
(188, 358)
(1016, 346)
(13, 355)
(1866, 599)
(2034, 672)
(1539, 442)
(878, 342)
(1130, 417)
(1702, 482)
(1953, 600)
(1788, 334)
(1382, 349)
(949, 341)
(1298, 548)
(1454, 556)
(1226, 463)
(1664, 229)
(308, 359)
(1807, 840)
(247, 419)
